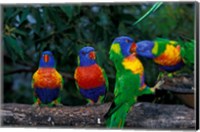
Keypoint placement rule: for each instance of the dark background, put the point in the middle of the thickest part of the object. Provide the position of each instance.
(64, 29)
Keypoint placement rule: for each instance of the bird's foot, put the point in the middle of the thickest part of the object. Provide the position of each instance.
(56, 103)
(170, 75)
(100, 100)
(36, 105)
(59, 105)
(90, 102)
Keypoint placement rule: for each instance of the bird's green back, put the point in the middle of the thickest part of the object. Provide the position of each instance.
(160, 46)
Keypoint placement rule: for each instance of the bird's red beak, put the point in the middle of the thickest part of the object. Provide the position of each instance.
(133, 47)
(46, 58)
(92, 55)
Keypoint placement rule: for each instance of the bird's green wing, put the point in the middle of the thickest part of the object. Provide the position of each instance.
(32, 83)
(106, 79)
(126, 90)
(78, 60)
(35, 98)
(62, 80)
(62, 84)
(77, 85)
(187, 52)
(160, 45)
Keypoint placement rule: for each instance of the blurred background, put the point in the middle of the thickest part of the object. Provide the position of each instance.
(64, 29)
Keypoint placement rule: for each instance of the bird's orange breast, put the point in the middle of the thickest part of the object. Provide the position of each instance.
(47, 78)
(170, 57)
(89, 77)
(134, 64)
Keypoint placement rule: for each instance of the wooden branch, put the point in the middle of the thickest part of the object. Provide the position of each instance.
(143, 115)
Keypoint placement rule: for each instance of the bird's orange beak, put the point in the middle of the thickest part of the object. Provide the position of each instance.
(133, 48)
(46, 58)
(92, 55)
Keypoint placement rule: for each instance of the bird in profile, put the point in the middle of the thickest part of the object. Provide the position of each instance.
(169, 55)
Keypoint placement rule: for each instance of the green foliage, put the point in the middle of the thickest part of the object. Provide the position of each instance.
(169, 22)
(64, 29)
(68, 10)
(153, 9)
(13, 48)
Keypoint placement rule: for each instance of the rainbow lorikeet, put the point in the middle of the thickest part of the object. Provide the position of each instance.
(169, 55)
(90, 78)
(47, 82)
(130, 81)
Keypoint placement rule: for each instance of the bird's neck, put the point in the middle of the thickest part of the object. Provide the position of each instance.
(87, 63)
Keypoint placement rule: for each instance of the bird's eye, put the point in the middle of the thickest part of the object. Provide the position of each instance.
(127, 41)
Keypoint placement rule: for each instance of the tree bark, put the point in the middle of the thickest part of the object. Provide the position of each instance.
(143, 115)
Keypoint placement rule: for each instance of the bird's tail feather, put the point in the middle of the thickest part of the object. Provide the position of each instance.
(115, 118)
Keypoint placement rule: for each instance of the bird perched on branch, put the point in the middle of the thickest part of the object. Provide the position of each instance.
(90, 78)
(169, 55)
(130, 81)
(47, 82)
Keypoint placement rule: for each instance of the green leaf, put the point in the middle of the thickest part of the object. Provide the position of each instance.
(11, 14)
(68, 10)
(103, 19)
(24, 14)
(13, 48)
(20, 32)
(153, 9)
(45, 15)
(59, 22)
(122, 28)
(36, 14)
(8, 12)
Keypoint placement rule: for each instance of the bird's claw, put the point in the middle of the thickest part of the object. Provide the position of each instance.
(59, 105)
(90, 102)
(35, 105)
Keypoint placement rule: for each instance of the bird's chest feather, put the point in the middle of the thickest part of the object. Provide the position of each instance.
(47, 78)
(89, 77)
(170, 57)
(133, 63)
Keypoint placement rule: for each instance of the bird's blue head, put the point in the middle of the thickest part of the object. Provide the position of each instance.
(47, 59)
(127, 45)
(144, 49)
(87, 56)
